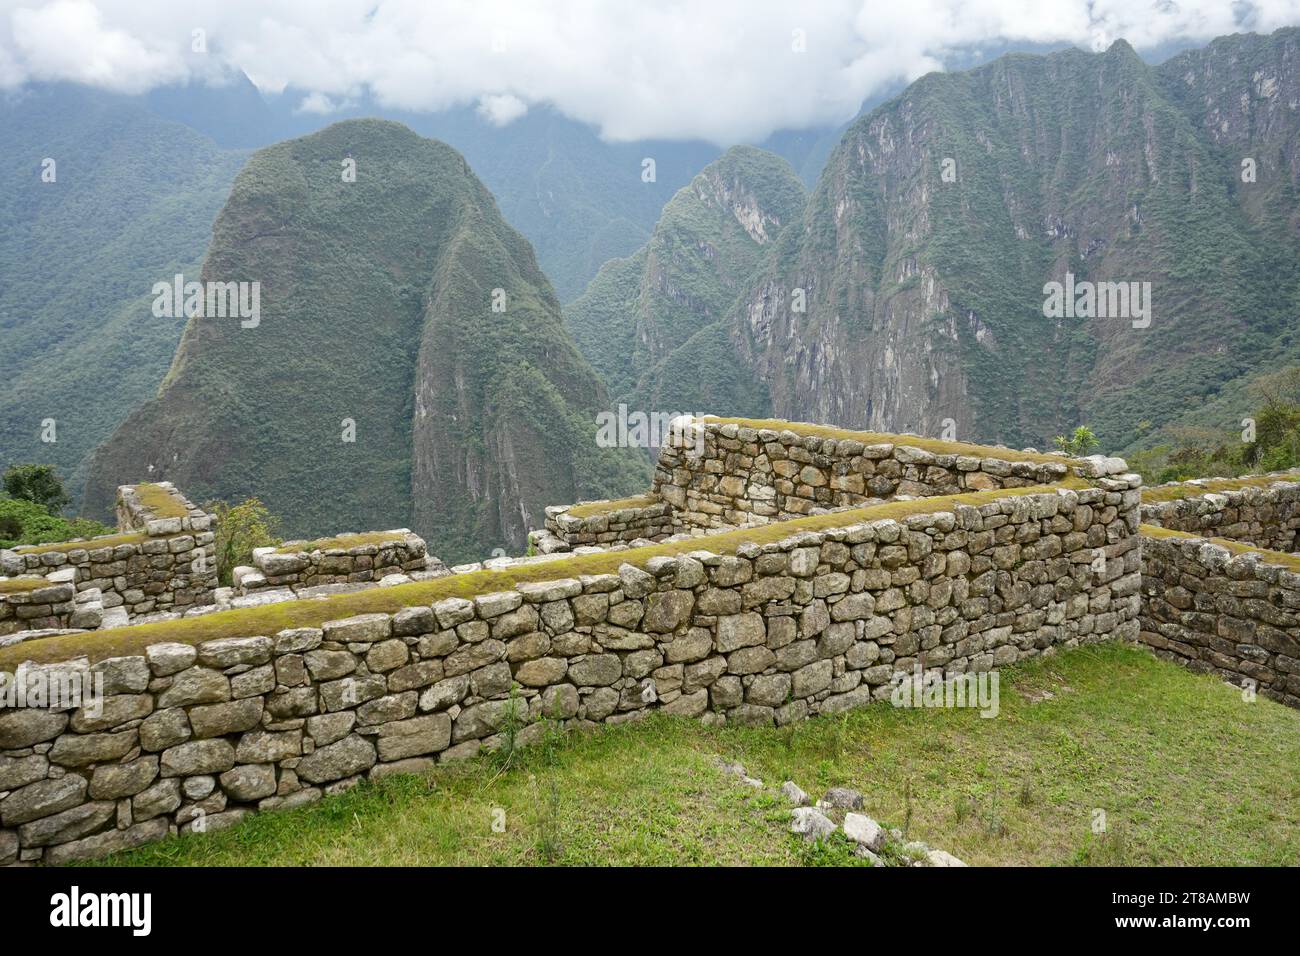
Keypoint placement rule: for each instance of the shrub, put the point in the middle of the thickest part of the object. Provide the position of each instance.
(1080, 443)
(36, 483)
(26, 522)
(239, 529)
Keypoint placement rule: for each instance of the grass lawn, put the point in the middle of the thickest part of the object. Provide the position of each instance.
(1184, 769)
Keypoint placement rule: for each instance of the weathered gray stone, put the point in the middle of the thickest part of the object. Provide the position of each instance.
(351, 755)
(110, 841)
(80, 750)
(166, 659)
(114, 781)
(66, 826)
(740, 630)
(327, 728)
(227, 652)
(811, 824)
(24, 726)
(198, 756)
(401, 739)
(361, 629)
(41, 799)
(16, 772)
(165, 728)
(249, 782)
(215, 720)
(597, 670)
(195, 685)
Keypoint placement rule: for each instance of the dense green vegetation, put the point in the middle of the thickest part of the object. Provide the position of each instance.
(941, 214)
(31, 509)
(1107, 727)
(1268, 439)
(132, 204)
(381, 387)
(238, 530)
(652, 323)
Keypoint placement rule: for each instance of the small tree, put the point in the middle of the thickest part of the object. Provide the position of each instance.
(1080, 443)
(240, 529)
(38, 484)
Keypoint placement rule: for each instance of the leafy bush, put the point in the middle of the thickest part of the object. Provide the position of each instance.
(239, 529)
(36, 483)
(25, 522)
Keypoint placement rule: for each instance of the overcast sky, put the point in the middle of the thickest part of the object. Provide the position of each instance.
(722, 70)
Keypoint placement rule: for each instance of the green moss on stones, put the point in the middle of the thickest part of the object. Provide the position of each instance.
(344, 541)
(1290, 561)
(589, 508)
(933, 445)
(1219, 485)
(162, 502)
(269, 619)
(88, 544)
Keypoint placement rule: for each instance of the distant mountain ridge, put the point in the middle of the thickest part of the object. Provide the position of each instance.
(410, 368)
(652, 323)
(923, 251)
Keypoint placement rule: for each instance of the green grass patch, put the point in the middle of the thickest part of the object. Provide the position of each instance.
(1107, 727)
(162, 502)
(934, 445)
(1181, 492)
(342, 541)
(272, 618)
(588, 508)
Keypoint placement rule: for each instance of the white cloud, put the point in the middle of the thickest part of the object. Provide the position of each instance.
(726, 70)
(319, 104)
(501, 109)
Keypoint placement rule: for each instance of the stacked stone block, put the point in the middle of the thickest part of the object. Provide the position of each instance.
(196, 737)
(715, 474)
(1236, 615)
(155, 563)
(1265, 516)
(306, 564)
(650, 522)
(47, 603)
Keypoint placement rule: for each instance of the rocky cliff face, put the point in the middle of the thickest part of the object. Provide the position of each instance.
(409, 365)
(653, 324)
(911, 293)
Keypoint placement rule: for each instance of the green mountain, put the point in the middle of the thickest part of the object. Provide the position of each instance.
(923, 253)
(377, 324)
(654, 325)
(131, 203)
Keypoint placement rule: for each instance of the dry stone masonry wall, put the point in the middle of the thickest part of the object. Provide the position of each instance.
(725, 474)
(161, 559)
(1265, 514)
(749, 628)
(347, 559)
(1231, 613)
(195, 737)
(652, 521)
(50, 603)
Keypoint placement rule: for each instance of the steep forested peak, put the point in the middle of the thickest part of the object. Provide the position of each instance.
(409, 366)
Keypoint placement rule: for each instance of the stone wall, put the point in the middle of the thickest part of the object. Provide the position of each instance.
(33, 602)
(652, 520)
(194, 736)
(1231, 612)
(1265, 513)
(155, 563)
(718, 474)
(334, 561)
